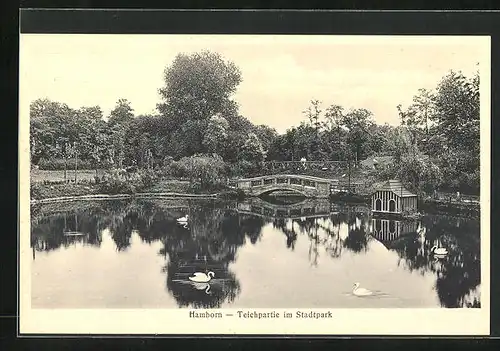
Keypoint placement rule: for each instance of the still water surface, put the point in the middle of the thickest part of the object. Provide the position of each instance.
(133, 254)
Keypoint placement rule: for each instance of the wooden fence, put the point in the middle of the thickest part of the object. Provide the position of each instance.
(456, 197)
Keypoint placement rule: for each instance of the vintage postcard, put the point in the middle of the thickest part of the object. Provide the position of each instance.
(254, 184)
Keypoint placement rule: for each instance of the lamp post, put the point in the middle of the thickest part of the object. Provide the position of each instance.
(65, 146)
(76, 158)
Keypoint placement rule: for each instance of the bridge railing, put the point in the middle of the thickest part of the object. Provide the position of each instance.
(284, 176)
(270, 167)
(285, 180)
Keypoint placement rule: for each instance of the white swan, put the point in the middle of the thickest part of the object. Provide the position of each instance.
(183, 220)
(199, 277)
(361, 291)
(439, 251)
(202, 286)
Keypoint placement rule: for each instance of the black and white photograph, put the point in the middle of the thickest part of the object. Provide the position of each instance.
(239, 177)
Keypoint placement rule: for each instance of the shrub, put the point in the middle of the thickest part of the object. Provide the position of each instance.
(114, 181)
(204, 172)
(243, 167)
(167, 161)
(114, 184)
(144, 179)
(238, 194)
(180, 168)
(36, 191)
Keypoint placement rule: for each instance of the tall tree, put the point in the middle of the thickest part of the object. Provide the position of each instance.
(119, 120)
(423, 102)
(122, 113)
(313, 114)
(357, 123)
(92, 142)
(457, 110)
(198, 86)
(334, 138)
(52, 129)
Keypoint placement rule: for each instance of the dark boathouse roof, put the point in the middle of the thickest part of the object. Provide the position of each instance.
(396, 187)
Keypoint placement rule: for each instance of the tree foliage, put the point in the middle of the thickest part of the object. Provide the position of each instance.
(198, 86)
(202, 170)
(198, 125)
(444, 124)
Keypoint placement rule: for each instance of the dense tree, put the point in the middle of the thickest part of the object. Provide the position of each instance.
(216, 134)
(122, 114)
(457, 110)
(143, 140)
(358, 122)
(252, 149)
(118, 123)
(196, 107)
(436, 145)
(266, 136)
(52, 126)
(313, 114)
(198, 86)
(205, 171)
(444, 125)
(92, 142)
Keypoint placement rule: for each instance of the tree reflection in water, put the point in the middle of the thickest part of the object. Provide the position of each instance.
(217, 230)
(49, 225)
(327, 233)
(458, 273)
(216, 234)
(288, 228)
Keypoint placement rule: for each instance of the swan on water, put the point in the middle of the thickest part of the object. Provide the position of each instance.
(439, 251)
(202, 277)
(183, 219)
(360, 291)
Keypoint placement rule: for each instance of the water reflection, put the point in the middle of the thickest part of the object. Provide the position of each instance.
(216, 231)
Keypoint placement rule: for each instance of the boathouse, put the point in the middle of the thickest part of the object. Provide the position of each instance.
(393, 198)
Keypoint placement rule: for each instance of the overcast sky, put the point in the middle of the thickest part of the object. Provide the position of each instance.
(281, 74)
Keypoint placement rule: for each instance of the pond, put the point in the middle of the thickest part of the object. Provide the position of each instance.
(134, 254)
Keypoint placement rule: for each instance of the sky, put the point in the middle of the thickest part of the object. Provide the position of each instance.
(281, 74)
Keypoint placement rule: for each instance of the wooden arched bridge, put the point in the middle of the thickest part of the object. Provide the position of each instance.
(306, 185)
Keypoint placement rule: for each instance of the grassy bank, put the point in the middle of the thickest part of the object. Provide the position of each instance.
(468, 210)
(45, 191)
(48, 185)
(40, 176)
(41, 191)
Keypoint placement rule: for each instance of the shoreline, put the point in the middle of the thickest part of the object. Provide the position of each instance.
(223, 194)
(175, 189)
